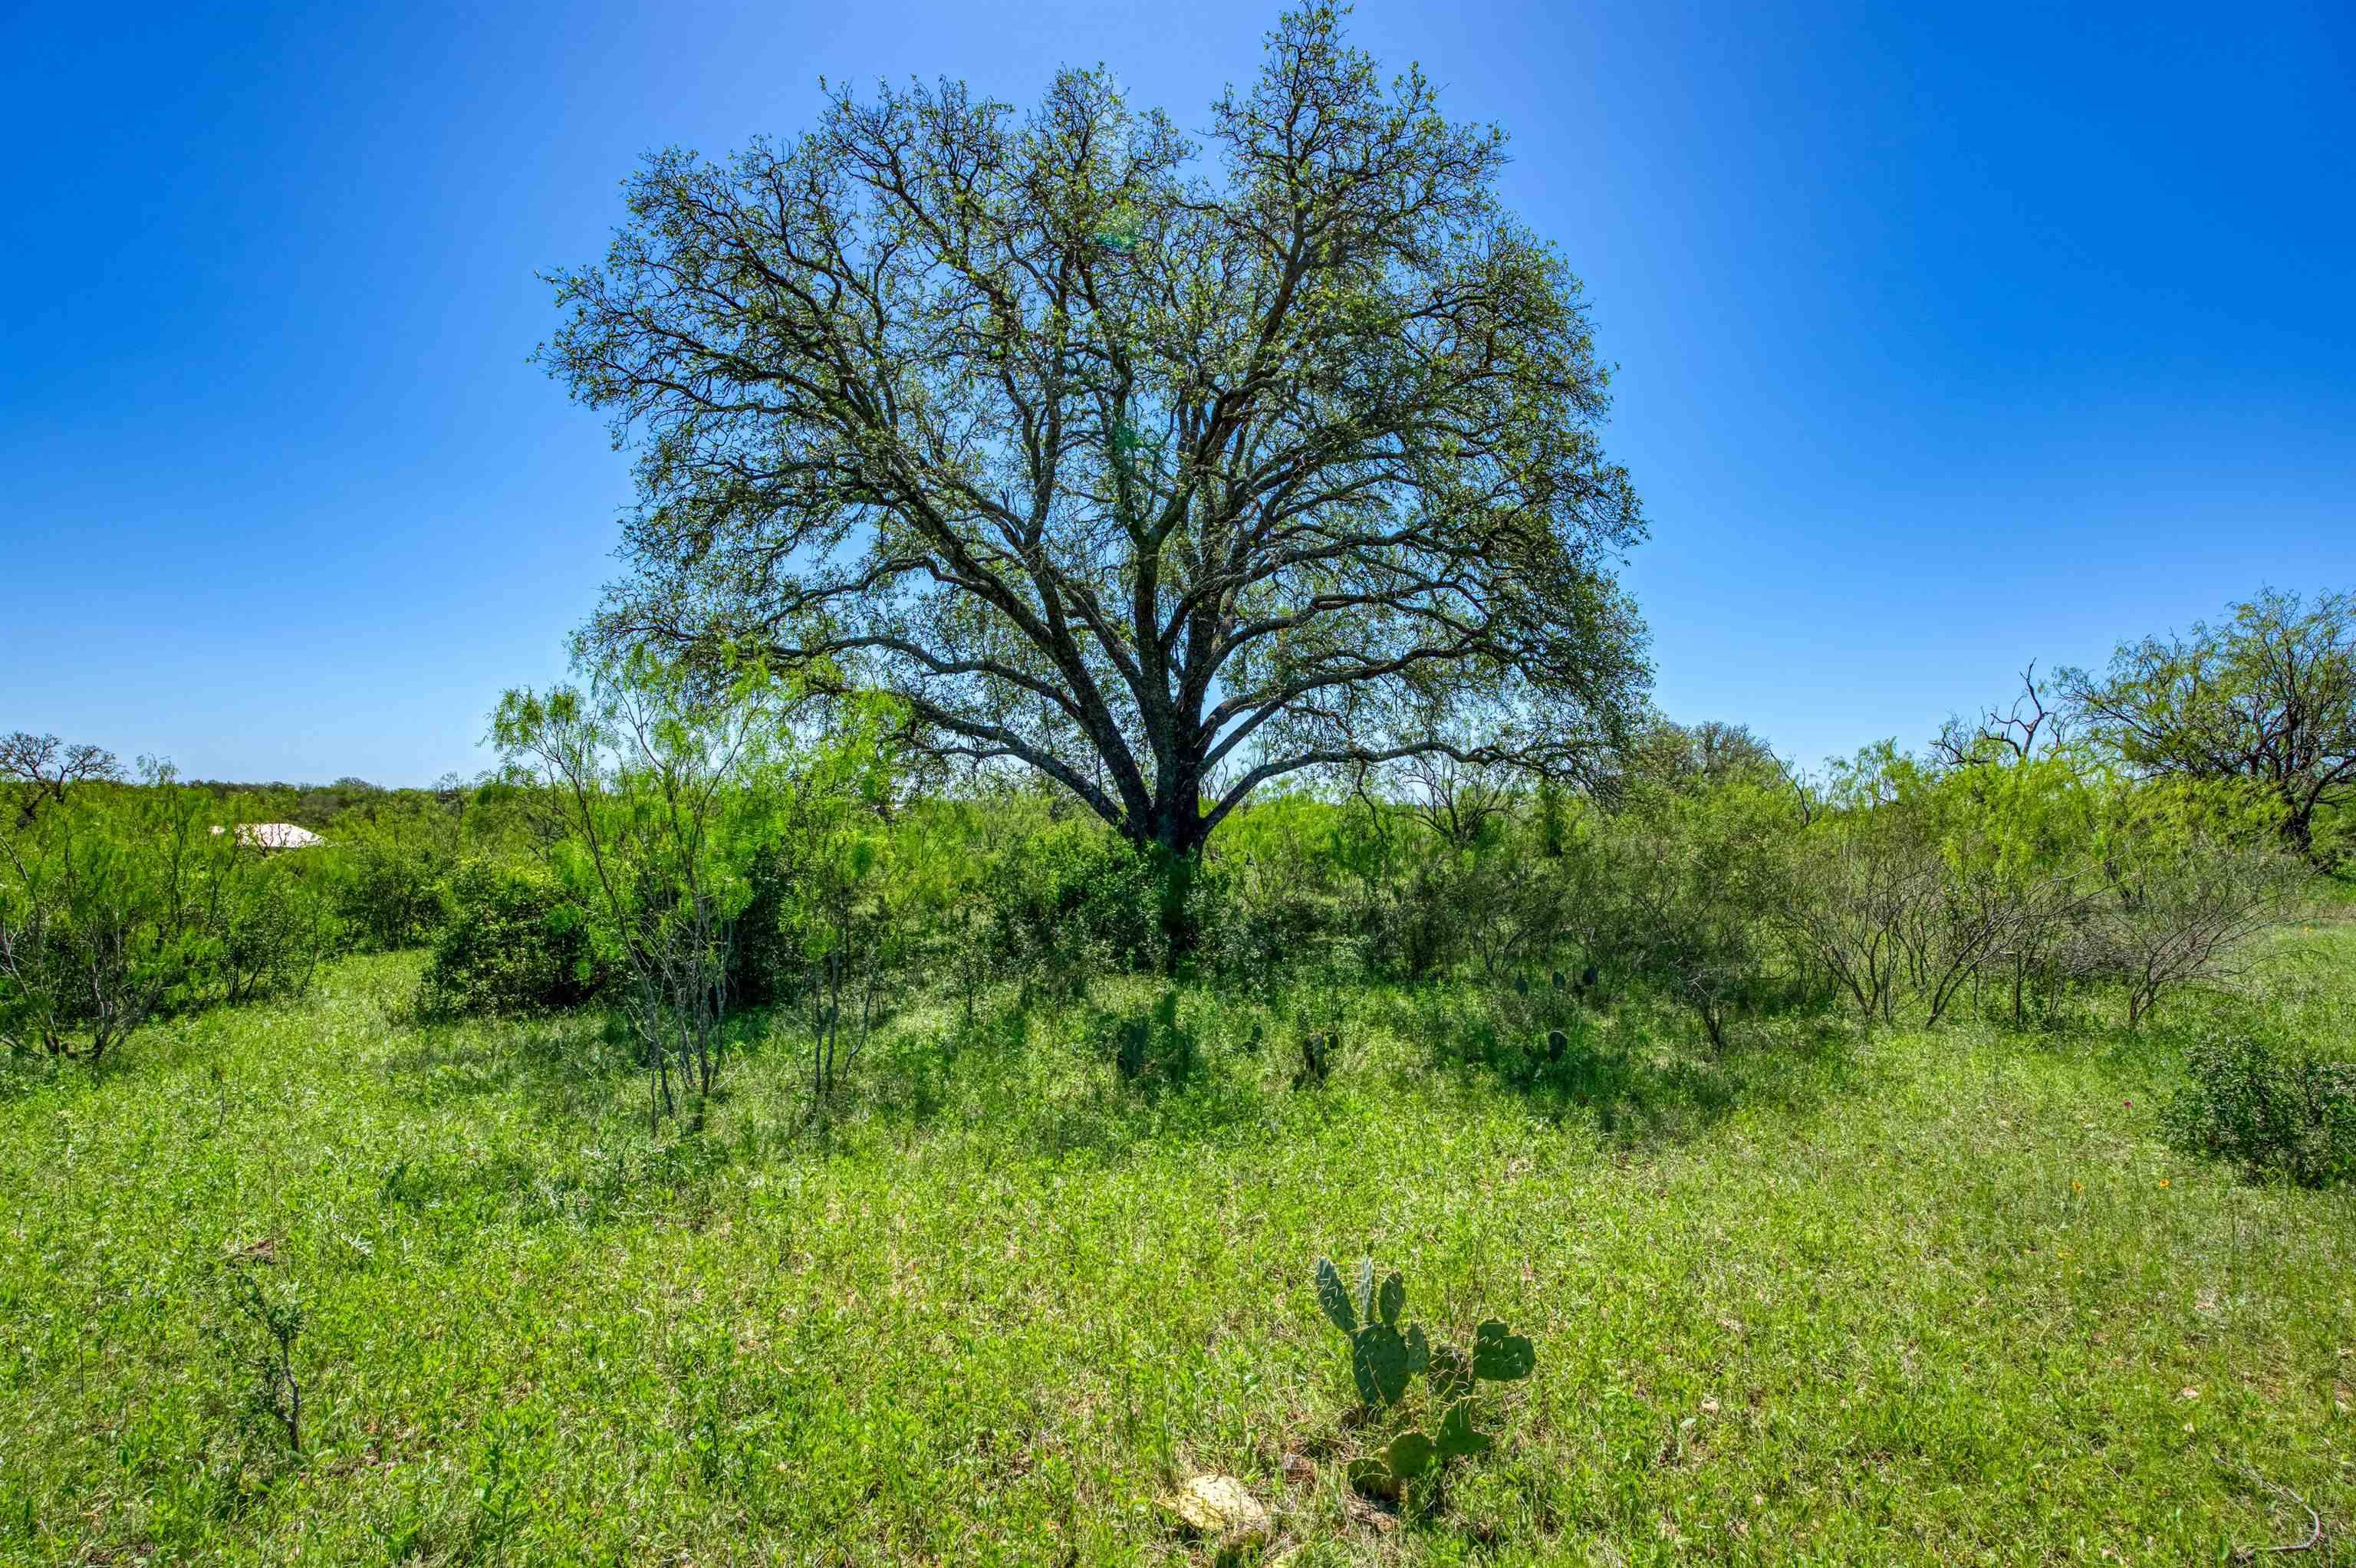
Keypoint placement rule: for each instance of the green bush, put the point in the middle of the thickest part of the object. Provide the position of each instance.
(511, 940)
(262, 923)
(122, 903)
(1071, 901)
(2275, 1111)
(766, 963)
(1259, 931)
(388, 877)
(96, 932)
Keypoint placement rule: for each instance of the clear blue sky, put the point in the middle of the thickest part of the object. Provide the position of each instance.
(1949, 336)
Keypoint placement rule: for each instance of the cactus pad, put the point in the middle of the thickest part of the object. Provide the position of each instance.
(1334, 1298)
(1378, 1363)
(1457, 1437)
(1499, 1356)
(1410, 1455)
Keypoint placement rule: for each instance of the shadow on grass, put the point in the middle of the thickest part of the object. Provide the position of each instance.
(1636, 1070)
(591, 1186)
(572, 1065)
(1089, 1080)
(1132, 1067)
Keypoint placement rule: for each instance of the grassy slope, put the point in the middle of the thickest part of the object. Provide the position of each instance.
(1949, 1297)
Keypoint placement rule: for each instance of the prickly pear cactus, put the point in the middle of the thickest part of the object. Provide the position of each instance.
(1334, 1298)
(1378, 1364)
(1457, 1437)
(1386, 1355)
(1500, 1357)
(1411, 1454)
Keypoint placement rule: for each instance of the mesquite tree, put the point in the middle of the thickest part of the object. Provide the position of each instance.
(1164, 467)
(662, 799)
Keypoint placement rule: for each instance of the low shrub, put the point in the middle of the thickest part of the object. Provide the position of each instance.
(263, 923)
(1260, 932)
(122, 903)
(511, 941)
(2274, 1110)
(767, 965)
(388, 880)
(1070, 902)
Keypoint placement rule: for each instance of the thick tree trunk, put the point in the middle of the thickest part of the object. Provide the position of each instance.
(2298, 832)
(1176, 870)
(1172, 839)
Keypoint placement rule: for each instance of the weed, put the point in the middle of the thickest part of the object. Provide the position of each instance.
(265, 1317)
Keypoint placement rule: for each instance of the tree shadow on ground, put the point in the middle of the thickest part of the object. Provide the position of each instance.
(1132, 1067)
(576, 1065)
(1068, 1080)
(592, 1185)
(1637, 1069)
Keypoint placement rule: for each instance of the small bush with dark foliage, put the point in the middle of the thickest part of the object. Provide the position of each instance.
(511, 940)
(2274, 1110)
(766, 963)
(1068, 903)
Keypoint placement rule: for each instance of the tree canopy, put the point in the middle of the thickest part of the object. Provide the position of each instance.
(2268, 696)
(1164, 466)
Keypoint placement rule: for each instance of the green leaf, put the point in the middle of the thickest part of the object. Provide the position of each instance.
(1334, 1298)
(1393, 1297)
(1457, 1438)
(1499, 1356)
(1365, 1292)
(1419, 1349)
(1410, 1455)
(1378, 1363)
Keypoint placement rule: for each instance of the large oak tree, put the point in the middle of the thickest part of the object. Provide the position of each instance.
(1165, 466)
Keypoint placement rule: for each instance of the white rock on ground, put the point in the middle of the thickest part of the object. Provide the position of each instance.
(1222, 1509)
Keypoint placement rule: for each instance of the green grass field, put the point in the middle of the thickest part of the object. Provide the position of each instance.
(1917, 1297)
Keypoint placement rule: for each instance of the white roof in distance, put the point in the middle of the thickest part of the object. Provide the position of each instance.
(276, 836)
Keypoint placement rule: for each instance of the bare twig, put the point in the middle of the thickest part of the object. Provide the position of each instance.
(2313, 1520)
